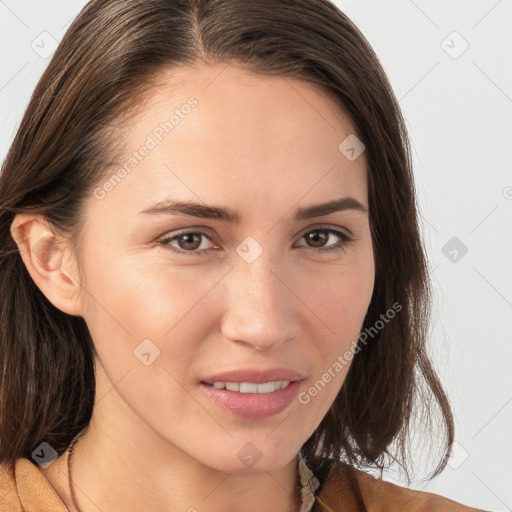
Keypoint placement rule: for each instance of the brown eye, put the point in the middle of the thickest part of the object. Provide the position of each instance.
(188, 242)
(318, 237)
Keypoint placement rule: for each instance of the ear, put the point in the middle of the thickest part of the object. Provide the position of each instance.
(49, 261)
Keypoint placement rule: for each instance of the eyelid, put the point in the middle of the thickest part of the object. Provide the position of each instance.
(343, 230)
(209, 233)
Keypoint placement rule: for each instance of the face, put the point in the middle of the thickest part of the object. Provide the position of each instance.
(175, 300)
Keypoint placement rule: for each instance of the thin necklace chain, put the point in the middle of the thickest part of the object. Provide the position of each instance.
(71, 488)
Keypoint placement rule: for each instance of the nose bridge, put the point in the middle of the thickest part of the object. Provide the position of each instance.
(258, 284)
(258, 303)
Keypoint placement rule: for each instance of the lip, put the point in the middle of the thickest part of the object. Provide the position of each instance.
(258, 376)
(253, 405)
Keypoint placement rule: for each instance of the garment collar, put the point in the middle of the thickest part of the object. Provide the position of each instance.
(35, 491)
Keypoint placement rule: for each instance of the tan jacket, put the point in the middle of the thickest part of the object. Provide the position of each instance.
(23, 488)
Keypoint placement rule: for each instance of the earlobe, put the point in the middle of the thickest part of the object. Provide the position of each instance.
(49, 261)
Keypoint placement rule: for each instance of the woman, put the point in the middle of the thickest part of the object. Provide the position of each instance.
(215, 294)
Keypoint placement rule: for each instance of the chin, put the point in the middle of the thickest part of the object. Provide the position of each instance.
(254, 456)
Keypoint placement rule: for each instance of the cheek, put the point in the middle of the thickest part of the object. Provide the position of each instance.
(132, 291)
(344, 296)
(132, 300)
(341, 304)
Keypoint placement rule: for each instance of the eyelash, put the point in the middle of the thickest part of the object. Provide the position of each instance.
(345, 240)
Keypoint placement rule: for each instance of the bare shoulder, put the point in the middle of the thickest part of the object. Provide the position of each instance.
(386, 496)
(9, 499)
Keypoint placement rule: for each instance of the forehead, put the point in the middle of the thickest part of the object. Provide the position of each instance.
(259, 107)
(220, 131)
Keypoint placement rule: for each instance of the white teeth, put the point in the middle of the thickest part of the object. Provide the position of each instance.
(249, 387)
(266, 387)
(252, 387)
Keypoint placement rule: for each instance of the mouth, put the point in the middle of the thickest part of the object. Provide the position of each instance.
(253, 393)
(251, 387)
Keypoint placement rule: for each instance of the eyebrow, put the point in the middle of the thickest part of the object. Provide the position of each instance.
(168, 206)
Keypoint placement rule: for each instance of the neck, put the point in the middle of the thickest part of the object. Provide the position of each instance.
(115, 484)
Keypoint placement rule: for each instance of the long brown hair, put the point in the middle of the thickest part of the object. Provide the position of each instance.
(108, 59)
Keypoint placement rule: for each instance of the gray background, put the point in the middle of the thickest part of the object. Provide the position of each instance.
(449, 63)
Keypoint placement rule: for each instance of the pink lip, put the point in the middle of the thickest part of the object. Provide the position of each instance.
(257, 376)
(253, 405)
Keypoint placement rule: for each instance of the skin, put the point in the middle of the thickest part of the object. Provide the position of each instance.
(261, 145)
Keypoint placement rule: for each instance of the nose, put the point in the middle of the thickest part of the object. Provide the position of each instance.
(259, 306)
